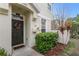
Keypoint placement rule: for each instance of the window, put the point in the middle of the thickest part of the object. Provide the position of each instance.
(43, 25)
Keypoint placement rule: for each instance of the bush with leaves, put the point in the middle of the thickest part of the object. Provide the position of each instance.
(75, 30)
(45, 41)
(3, 52)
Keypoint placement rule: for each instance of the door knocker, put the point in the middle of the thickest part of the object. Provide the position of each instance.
(17, 26)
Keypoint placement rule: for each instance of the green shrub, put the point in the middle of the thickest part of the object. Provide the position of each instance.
(75, 30)
(3, 52)
(45, 41)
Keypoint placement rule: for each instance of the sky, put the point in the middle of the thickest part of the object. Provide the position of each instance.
(69, 9)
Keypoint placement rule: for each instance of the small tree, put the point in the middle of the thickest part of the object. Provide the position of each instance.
(77, 18)
(68, 23)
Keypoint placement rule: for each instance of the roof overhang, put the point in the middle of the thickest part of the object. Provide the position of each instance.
(44, 17)
(34, 7)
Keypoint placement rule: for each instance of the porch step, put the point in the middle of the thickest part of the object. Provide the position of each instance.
(25, 51)
(18, 46)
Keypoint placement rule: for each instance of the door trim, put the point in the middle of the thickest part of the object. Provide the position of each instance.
(23, 44)
(18, 45)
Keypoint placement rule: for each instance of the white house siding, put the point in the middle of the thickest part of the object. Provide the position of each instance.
(30, 26)
(29, 14)
(45, 13)
(27, 29)
(5, 28)
(48, 26)
(43, 8)
(4, 5)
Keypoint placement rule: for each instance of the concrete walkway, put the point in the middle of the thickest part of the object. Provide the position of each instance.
(25, 51)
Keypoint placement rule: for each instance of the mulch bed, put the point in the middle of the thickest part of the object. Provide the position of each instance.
(56, 50)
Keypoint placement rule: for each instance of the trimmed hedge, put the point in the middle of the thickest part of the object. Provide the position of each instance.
(45, 41)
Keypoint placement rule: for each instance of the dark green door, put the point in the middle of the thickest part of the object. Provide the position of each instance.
(17, 32)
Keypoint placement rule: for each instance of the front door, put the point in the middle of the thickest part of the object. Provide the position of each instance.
(17, 30)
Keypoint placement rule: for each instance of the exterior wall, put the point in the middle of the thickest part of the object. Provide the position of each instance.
(48, 26)
(45, 13)
(30, 26)
(27, 29)
(4, 5)
(36, 28)
(28, 12)
(32, 23)
(5, 29)
(30, 39)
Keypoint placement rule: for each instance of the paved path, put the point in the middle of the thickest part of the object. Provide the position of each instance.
(25, 51)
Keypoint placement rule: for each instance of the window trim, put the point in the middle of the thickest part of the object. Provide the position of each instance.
(43, 25)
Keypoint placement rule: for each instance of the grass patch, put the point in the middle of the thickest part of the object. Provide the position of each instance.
(69, 47)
